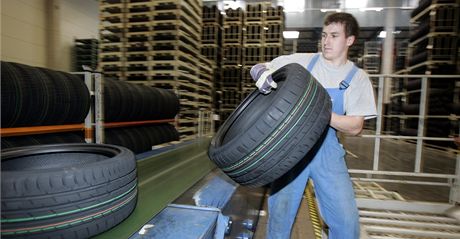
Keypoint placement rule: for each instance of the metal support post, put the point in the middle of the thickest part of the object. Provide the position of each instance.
(388, 48)
(454, 195)
(99, 107)
(200, 123)
(378, 130)
(421, 124)
(89, 117)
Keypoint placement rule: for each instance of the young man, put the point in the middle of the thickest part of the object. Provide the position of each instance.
(353, 101)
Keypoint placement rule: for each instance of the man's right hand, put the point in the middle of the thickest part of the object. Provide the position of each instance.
(263, 78)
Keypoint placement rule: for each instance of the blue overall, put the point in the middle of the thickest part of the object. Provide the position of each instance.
(333, 187)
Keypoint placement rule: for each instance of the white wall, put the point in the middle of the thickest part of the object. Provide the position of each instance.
(42, 32)
(23, 31)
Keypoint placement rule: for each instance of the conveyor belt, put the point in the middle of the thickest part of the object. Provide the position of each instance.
(161, 179)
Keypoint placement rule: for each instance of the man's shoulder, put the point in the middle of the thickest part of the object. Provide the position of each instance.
(300, 58)
(361, 74)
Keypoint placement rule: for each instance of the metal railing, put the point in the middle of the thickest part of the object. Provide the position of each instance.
(451, 180)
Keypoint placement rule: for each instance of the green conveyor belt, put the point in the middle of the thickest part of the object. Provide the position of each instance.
(161, 179)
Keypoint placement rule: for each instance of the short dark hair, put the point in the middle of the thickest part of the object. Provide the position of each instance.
(348, 20)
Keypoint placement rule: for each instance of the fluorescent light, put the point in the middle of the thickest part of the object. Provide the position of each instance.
(331, 10)
(291, 34)
(383, 34)
(377, 9)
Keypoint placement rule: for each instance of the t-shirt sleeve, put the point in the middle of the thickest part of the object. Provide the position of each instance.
(360, 100)
(300, 58)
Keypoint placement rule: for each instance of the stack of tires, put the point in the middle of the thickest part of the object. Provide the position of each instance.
(125, 102)
(33, 96)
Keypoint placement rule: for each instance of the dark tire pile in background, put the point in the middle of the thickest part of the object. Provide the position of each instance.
(34, 96)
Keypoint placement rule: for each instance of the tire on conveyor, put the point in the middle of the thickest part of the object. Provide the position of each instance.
(267, 135)
(66, 190)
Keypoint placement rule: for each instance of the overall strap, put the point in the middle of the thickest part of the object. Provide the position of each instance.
(345, 83)
(312, 63)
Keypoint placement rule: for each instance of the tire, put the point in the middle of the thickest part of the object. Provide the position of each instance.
(62, 100)
(12, 94)
(56, 138)
(267, 135)
(66, 190)
(31, 93)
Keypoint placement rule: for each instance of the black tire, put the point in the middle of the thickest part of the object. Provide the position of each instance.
(66, 190)
(56, 138)
(267, 135)
(62, 100)
(32, 91)
(12, 94)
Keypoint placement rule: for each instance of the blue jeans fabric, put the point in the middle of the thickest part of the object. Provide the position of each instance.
(333, 189)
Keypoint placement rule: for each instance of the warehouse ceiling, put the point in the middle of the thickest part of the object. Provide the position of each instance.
(306, 5)
(306, 17)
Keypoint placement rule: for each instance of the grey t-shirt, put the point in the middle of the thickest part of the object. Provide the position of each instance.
(359, 96)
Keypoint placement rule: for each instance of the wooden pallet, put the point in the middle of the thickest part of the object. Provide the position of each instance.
(232, 34)
(253, 34)
(138, 47)
(192, 6)
(139, 7)
(181, 13)
(271, 52)
(112, 8)
(274, 15)
(111, 68)
(232, 55)
(211, 14)
(211, 33)
(163, 41)
(176, 25)
(233, 15)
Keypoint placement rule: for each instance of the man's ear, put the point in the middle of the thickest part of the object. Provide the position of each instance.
(350, 40)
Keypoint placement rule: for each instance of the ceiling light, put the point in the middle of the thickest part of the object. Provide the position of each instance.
(291, 34)
(330, 10)
(377, 9)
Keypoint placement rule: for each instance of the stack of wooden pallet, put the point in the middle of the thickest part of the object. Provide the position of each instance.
(263, 39)
(157, 43)
(248, 37)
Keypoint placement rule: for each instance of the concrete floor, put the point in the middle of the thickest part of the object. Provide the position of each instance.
(398, 155)
(395, 155)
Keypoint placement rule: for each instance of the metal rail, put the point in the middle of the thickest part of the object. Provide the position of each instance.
(452, 180)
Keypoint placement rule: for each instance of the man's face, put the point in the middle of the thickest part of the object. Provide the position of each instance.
(334, 42)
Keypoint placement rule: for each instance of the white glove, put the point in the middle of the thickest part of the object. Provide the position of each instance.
(263, 78)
